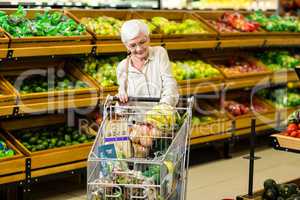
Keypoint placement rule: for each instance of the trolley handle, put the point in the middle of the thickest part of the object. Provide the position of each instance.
(147, 99)
(138, 99)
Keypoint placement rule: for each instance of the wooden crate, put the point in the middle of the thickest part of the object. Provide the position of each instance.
(8, 99)
(12, 169)
(78, 14)
(222, 125)
(244, 121)
(179, 16)
(103, 91)
(206, 16)
(197, 85)
(48, 45)
(41, 101)
(50, 157)
(242, 80)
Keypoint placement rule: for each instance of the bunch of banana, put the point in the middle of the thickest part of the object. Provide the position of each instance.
(163, 117)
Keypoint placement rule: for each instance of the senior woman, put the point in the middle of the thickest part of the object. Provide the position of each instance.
(146, 72)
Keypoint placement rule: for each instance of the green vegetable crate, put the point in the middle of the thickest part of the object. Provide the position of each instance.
(196, 85)
(169, 30)
(7, 98)
(70, 87)
(219, 124)
(30, 35)
(255, 38)
(51, 155)
(12, 168)
(241, 79)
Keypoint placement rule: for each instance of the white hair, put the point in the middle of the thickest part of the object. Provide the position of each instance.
(132, 28)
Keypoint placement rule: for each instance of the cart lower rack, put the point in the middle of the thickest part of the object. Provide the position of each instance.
(141, 151)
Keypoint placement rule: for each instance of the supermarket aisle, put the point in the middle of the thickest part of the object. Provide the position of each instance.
(212, 180)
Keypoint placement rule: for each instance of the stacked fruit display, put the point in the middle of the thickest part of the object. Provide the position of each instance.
(5, 151)
(276, 23)
(199, 120)
(52, 137)
(102, 70)
(278, 60)
(187, 26)
(43, 24)
(282, 97)
(236, 66)
(189, 69)
(103, 25)
(39, 83)
(272, 190)
(234, 22)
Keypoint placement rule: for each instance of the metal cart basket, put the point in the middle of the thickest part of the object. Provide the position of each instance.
(141, 151)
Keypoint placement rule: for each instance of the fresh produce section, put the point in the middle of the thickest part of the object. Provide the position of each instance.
(51, 137)
(189, 69)
(54, 146)
(43, 24)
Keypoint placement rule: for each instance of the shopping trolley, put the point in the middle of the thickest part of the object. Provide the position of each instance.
(141, 151)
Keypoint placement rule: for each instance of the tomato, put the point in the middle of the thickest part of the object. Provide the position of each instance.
(292, 127)
(294, 134)
(299, 126)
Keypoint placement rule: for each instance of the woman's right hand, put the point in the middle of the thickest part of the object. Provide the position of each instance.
(123, 98)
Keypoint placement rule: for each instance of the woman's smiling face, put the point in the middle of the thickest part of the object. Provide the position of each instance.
(139, 46)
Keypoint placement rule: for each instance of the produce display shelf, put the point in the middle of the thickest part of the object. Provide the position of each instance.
(50, 100)
(179, 16)
(41, 160)
(207, 17)
(12, 169)
(47, 45)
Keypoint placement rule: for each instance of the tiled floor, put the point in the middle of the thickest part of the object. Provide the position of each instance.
(212, 180)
